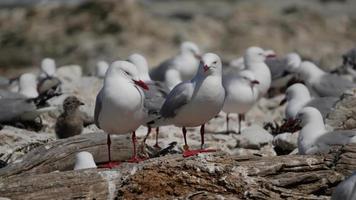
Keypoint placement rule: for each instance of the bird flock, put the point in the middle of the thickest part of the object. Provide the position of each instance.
(188, 90)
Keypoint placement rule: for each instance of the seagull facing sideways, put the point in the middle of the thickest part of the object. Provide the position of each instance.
(119, 104)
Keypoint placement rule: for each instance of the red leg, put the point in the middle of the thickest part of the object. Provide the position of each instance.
(184, 130)
(134, 157)
(110, 164)
(188, 153)
(156, 145)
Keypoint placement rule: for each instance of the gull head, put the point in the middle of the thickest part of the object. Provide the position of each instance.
(71, 103)
(141, 64)
(293, 62)
(48, 67)
(210, 64)
(257, 55)
(127, 71)
(309, 72)
(309, 115)
(296, 91)
(190, 48)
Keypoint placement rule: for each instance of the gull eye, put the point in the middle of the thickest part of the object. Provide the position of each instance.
(215, 62)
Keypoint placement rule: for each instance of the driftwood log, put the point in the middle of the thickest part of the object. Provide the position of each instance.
(206, 176)
(60, 155)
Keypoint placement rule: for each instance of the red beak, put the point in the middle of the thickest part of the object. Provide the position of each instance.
(206, 68)
(141, 84)
(271, 56)
(255, 82)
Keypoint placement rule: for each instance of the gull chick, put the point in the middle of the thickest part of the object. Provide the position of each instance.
(70, 122)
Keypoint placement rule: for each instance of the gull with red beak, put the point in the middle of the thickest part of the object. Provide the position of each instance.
(119, 104)
(241, 94)
(193, 103)
(154, 97)
(254, 59)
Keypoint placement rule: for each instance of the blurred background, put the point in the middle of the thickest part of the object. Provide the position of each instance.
(83, 31)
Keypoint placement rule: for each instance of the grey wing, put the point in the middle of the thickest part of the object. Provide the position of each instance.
(158, 74)
(323, 104)
(13, 109)
(277, 67)
(332, 85)
(339, 137)
(98, 106)
(155, 97)
(177, 98)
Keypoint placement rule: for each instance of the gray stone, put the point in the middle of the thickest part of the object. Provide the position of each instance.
(254, 137)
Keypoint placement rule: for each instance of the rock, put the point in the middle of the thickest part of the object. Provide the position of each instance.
(344, 114)
(254, 137)
(70, 72)
(16, 142)
(286, 141)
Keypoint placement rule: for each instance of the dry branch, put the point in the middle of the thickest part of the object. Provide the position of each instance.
(201, 177)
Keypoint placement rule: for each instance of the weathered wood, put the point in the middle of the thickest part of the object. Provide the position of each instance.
(206, 176)
(59, 155)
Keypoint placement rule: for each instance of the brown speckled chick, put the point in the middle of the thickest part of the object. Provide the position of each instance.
(70, 122)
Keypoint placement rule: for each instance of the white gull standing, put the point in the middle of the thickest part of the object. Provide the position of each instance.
(154, 97)
(241, 94)
(119, 104)
(179, 68)
(254, 59)
(193, 103)
(298, 97)
(314, 138)
(28, 85)
(322, 83)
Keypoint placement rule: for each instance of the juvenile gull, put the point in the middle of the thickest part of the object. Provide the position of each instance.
(193, 103)
(346, 190)
(154, 97)
(70, 122)
(179, 68)
(28, 85)
(314, 138)
(241, 94)
(254, 59)
(84, 160)
(101, 68)
(298, 96)
(119, 107)
(322, 83)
